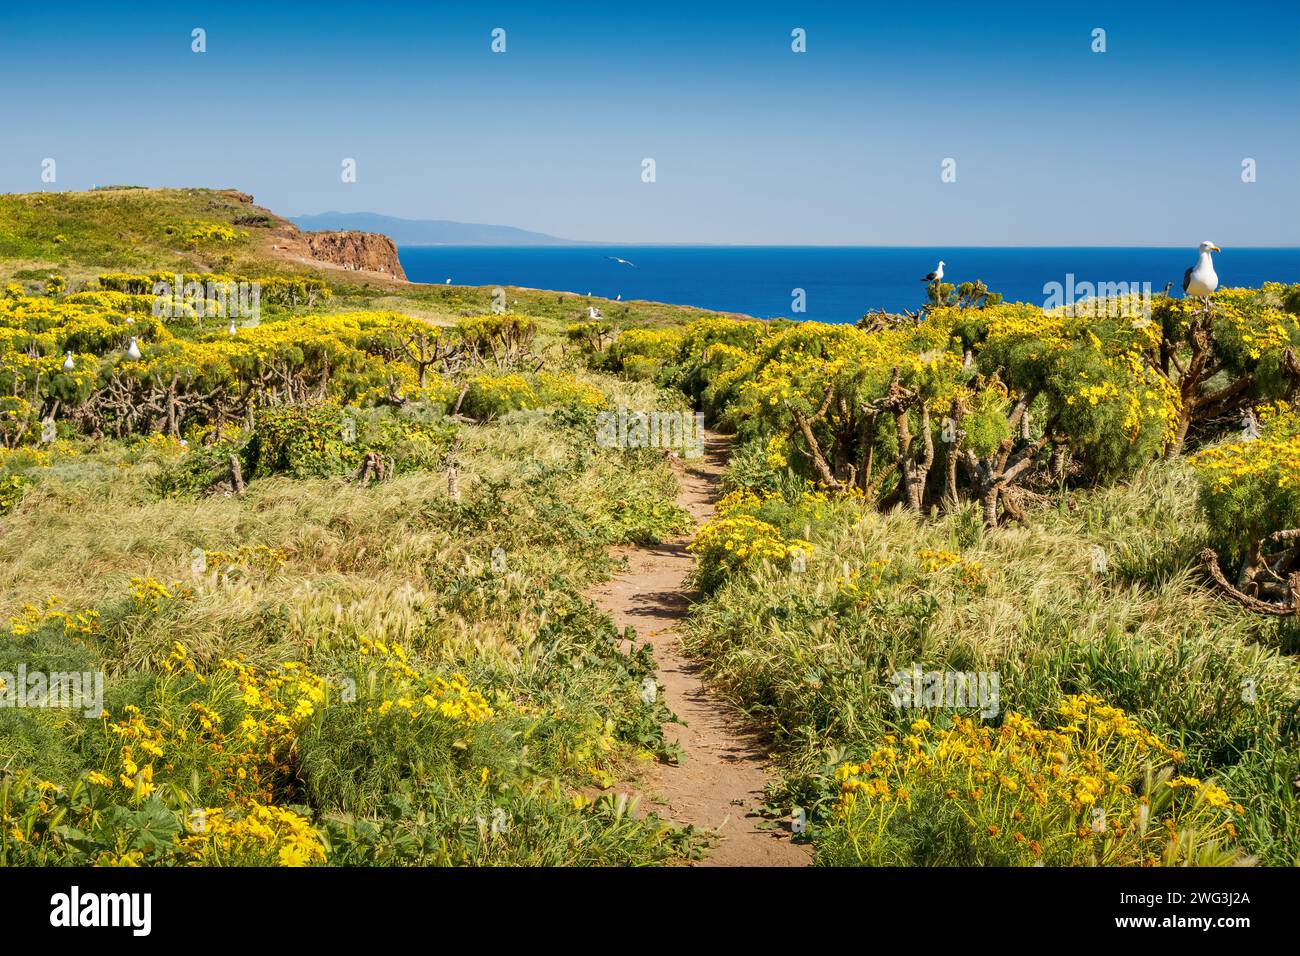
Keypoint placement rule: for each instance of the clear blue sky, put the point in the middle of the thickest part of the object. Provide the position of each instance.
(1055, 144)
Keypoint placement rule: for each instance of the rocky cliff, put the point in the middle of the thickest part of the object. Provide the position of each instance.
(364, 251)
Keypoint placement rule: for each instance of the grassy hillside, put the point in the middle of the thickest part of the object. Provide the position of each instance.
(121, 229)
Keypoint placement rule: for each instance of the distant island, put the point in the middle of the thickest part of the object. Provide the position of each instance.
(429, 232)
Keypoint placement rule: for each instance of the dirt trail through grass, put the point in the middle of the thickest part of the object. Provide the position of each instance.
(719, 788)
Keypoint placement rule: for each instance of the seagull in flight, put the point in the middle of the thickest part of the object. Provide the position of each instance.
(1200, 280)
(623, 262)
(936, 275)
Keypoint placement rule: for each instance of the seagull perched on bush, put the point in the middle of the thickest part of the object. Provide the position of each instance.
(1200, 280)
(936, 275)
(133, 350)
(68, 364)
(232, 329)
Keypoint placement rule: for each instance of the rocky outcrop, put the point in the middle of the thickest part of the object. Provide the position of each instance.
(362, 251)
(371, 254)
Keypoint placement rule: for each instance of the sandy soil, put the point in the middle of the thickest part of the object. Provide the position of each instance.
(719, 789)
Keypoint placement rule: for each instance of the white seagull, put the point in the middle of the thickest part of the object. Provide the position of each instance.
(133, 350)
(623, 262)
(68, 364)
(1200, 280)
(936, 275)
(593, 312)
(231, 330)
(448, 282)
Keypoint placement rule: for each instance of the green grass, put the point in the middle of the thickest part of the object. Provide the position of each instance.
(117, 230)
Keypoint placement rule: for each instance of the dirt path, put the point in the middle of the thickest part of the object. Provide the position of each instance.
(719, 789)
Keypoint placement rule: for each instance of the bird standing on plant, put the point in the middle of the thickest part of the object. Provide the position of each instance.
(68, 364)
(936, 275)
(1201, 280)
(133, 350)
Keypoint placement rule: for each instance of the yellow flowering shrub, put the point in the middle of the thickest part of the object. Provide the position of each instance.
(488, 396)
(255, 835)
(414, 694)
(197, 233)
(732, 543)
(1250, 487)
(640, 353)
(1097, 789)
(565, 391)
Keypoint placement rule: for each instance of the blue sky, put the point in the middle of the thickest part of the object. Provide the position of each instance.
(1054, 144)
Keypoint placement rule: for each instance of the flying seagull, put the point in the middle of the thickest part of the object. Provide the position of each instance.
(448, 282)
(1200, 280)
(68, 364)
(133, 350)
(936, 275)
(623, 262)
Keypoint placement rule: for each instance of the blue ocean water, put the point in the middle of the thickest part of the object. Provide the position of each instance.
(840, 283)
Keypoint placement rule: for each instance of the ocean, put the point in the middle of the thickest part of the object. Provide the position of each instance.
(840, 284)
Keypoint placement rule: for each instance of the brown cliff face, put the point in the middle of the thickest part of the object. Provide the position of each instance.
(361, 251)
(369, 253)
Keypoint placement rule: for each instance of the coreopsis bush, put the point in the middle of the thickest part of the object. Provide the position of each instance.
(972, 402)
(280, 290)
(1249, 496)
(1239, 354)
(178, 383)
(502, 340)
(302, 441)
(321, 440)
(641, 353)
(1098, 789)
(564, 391)
(591, 337)
(1086, 379)
(490, 396)
(1250, 487)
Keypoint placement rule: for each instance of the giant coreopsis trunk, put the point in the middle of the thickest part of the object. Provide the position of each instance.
(913, 471)
(1175, 446)
(989, 505)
